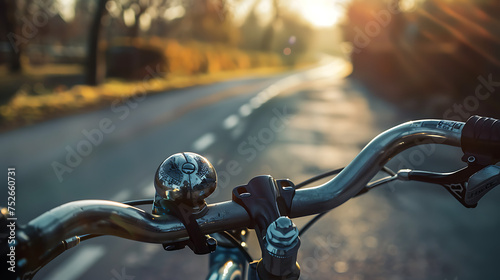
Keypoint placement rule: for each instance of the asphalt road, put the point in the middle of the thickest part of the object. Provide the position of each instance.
(293, 125)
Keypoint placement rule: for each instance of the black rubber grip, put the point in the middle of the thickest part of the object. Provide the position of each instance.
(481, 136)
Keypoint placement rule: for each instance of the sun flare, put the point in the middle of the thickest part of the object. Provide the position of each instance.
(320, 13)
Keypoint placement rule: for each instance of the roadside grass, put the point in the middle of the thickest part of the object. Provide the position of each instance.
(154, 65)
(34, 103)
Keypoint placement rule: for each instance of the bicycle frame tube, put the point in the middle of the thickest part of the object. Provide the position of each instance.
(227, 264)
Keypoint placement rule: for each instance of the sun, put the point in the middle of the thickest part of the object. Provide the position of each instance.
(320, 13)
(67, 9)
(320, 17)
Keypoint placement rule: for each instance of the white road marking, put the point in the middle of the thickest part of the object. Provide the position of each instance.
(121, 196)
(237, 132)
(272, 90)
(78, 263)
(147, 251)
(149, 190)
(132, 258)
(264, 96)
(204, 142)
(230, 122)
(255, 102)
(245, 110)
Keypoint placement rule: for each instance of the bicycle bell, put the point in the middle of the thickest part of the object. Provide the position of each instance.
(186, 178)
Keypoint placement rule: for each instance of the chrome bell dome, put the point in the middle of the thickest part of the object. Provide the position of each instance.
(186, 178)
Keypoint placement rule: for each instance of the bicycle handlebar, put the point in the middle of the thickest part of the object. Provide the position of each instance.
(102, 217)
(370, 160)
(113, 218)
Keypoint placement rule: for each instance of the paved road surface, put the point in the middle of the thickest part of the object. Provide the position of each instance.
(291, 125)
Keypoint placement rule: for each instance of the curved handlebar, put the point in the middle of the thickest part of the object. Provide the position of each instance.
(370, 160)
(111, 218)
(104, 217)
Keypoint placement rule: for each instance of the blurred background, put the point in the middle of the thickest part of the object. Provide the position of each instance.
(95, 94)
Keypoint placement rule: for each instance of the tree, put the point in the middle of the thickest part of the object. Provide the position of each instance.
(94, 74)
(7, 15)
(267, 38)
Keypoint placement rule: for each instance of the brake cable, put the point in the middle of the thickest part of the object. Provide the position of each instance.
(393, 176)
(238, 245)
(318, 177)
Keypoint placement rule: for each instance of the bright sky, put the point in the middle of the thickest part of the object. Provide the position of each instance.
(67, 9)
(320, 13)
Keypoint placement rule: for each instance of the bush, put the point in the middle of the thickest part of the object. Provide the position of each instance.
(180, 65)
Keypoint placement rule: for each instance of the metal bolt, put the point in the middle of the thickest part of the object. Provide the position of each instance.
(282, 232)
(471, 159)
(282, 243)
(211, 241)
(283, 224)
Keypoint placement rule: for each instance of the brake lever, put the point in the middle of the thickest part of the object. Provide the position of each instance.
(454, 182)
(468, 185)
(482, 182)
